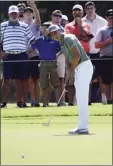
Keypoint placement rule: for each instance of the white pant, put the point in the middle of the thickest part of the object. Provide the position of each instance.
(83, 76)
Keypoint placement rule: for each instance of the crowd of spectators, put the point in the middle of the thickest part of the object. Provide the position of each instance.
(34, 60)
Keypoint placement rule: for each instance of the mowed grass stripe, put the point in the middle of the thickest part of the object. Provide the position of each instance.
(16, 113)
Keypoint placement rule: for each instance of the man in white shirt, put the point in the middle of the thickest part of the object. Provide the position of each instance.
(96, 22)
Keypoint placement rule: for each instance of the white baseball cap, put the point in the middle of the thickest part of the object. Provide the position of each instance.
(13, 9)
(53, 28)
(77, 7)
(64, 17)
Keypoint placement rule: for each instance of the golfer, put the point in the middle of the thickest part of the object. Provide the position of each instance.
(82, 66)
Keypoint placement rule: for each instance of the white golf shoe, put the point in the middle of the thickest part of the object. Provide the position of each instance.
(78, 131)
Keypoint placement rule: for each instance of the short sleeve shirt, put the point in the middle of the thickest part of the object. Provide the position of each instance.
(72, 28)
(68, 42)
(102, 35)
(48, 48)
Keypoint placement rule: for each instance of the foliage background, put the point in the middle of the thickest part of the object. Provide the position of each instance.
(46, 8)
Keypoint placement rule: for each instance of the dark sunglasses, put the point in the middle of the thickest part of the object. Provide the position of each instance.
(57, 15)
(90, 8)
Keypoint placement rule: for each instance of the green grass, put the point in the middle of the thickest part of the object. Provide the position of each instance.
(22, 132)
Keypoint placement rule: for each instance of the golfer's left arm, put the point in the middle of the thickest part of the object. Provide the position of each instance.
(76, 58)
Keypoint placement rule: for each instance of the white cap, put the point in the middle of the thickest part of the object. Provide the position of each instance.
(78, 7)
(64, 17)
(53, 28)
(12, 9)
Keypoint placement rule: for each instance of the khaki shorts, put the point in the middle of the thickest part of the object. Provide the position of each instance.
(48, 72)
(61, 66)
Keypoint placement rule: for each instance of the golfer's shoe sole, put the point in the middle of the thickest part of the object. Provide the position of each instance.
(78, 132)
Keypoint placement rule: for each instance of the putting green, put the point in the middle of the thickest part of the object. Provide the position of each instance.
(52, 145)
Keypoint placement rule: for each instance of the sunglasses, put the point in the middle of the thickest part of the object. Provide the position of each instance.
(90, 8)
(57, 15)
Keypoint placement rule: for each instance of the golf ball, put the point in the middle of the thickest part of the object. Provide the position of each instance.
(22, 155)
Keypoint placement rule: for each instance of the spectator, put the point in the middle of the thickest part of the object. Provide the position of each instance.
(14, 48)
(80, 29)
(21, 7)
(48, 49)
(64, 20)
(96, 22)
(33, 65)
(104, 41)
(56, 19)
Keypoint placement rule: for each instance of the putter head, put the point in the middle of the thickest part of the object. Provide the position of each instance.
(45, 124)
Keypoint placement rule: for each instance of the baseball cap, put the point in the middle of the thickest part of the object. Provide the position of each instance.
(13, 9)
(47, 24)
(64, 17)
(89, 4)
(53, 28)
(77, 7)
(21, 7)
(109, 13)
(56, 11)
(28, 8)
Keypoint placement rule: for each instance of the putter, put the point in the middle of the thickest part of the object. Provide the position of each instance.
(48, 123)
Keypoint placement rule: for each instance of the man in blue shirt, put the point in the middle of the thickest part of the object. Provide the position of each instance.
(48, 48)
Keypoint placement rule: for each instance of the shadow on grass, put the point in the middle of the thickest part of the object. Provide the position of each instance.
(61, 135)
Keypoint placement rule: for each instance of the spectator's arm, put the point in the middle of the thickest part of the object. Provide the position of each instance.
(84, 33)
(36, 12)
(104, 43)
(98, 40)
(84, 38)
(35, 45)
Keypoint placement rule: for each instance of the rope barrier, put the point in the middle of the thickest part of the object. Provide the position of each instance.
(11, 61)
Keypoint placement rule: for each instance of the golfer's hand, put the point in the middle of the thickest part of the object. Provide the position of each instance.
(68, 64)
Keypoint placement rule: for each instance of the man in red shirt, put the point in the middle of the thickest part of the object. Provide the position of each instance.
(79, 28)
